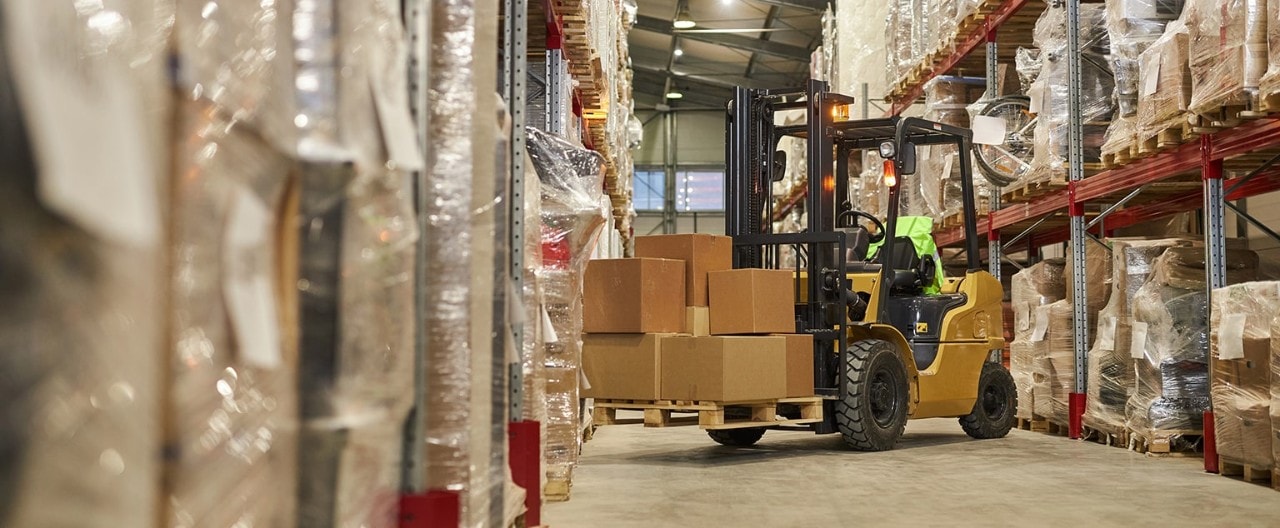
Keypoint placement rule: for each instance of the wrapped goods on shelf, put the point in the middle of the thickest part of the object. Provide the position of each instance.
(1170, 342)
(1048, 93)
(1058, 366)
(1241, 361)
(1110, 365)
(938, 178)
(572, 217)
(1027, 62)
(1132, 25)
(1269, 85)
(1227, 52)
(81, 329)
(1097, 272)
(1032, 289)
(899, 41)
(1275, 392)
(1164, 81)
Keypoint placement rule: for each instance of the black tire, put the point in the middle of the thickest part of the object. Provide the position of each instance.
(999, 108)
(874, 411)
(736, 437)
(993, 413)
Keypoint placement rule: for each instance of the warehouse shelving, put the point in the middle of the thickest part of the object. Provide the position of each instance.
(1192, 176)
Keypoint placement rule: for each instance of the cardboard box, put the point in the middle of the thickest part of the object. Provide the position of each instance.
(697, 321)
(622, 366)
(724, 368)
(701, 254)
(752, 301)
(1241, 400)
(633, 296)
(799, 365)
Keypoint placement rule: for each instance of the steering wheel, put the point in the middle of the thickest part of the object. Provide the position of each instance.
(880, 231)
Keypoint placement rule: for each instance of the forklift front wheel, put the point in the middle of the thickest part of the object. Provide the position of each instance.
(736, 437)
(873, 413)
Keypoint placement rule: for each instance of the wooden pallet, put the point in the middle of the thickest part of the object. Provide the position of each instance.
(1028, 191)
(709, 414)
(1036, 423)
(1187, 442)
(1170, 137)
(1115, 437)
(1259, 475)
(557, 490)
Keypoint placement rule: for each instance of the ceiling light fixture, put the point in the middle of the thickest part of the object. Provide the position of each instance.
(674, 95)
(683, 20)
(678, 52)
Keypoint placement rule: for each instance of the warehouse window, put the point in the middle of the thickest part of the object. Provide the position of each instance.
(649, 188)
(697, 189)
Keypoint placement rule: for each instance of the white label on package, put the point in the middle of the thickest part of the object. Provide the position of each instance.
(548, 328)
(1138, 345)
(398, 131)
(246, 281)
(1150, 74)
(515, 305)
(1042, 323)
(87, 118)
(1107, 333)
(1024, 317)
(946, 166)
(1231, 336)
(1036, 94)
(988, 130)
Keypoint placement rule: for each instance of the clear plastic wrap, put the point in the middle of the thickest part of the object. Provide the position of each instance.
(1027, 62)
(1132, 26)
(1032, 289)
(1049, 99)
(1110, 365)
(1275, 392)
(1241, 363)
(81, 329)
(572, 218)
(899, 39)
(1228, 52)
(938, 178)
(1269, 85)
(1170, 344)
(1165, 80)
(1097, 272)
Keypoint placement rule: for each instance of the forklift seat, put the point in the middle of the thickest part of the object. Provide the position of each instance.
(911, 271)
(855, 256)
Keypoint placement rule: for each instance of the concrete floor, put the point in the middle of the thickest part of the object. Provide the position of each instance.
(937, 476)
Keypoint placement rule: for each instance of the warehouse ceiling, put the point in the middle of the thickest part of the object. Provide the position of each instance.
(722, 50)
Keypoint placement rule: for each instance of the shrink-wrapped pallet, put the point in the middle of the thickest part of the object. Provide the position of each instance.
(572, 217)
(1110, 365)
(1269, 85)
(1032, 289)
(1132, 25)
(1275, 393)
(1097, 275)
(937, 182)
(1049, 98)
(1227, 52)
(82, 343)
(1164, 81)
(1054, 364)
(1170, 344)
(1241, 363)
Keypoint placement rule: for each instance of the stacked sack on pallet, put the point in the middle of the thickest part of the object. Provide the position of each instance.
(573, 215)
(1242, 358)
(1228, 56)
(1033, 289)
(934, 190)
(1049, 98)
(1170, 337)
(1132, 26)
(1110, 363)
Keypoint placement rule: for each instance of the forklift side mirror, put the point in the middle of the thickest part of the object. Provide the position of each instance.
(907, 159)
(779, 168)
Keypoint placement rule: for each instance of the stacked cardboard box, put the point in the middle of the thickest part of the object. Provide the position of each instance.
(676, 323)
(1241, 364)
(1032, 288)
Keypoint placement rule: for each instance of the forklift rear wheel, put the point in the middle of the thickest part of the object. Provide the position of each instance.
(873, 413)
(736, 437)
(993, 413)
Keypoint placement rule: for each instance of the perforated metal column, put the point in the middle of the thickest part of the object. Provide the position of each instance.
(1075, 169)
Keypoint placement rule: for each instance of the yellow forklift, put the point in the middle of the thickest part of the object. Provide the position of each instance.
(893, 339)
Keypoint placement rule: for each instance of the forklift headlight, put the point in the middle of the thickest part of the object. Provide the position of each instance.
(888, 149)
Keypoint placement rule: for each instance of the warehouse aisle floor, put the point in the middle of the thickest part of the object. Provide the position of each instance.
(632, 476)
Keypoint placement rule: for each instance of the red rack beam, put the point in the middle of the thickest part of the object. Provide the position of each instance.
(964, 46)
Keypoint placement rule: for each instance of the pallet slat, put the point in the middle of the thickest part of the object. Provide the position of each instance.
(710, 414)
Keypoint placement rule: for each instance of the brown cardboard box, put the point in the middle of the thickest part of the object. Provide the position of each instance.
(799, 365)
(633, 296)
(622, 366)
(1241, 401)
(701, 253)
(752, 301)
(724, 368)
(697, 321)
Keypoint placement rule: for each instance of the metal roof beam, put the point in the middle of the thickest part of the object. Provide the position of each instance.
(754, 45)
(807, 5)
(727, 82)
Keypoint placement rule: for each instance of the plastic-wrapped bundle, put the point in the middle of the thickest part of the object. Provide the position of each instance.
(1032, 288)
(1097, 272)
(1110, 365)
(1053, 361)
(1049, 91)
(1228, 52)
(1241, 362)
(941, 15)
(946, 101)
(532, 355)
(1270, 83)
(1275, 391)
(572, 217)
(1170, 340)
(899, 41)
(1027, 62)
(1132, 26)
(1165, 80)
(83, 282)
